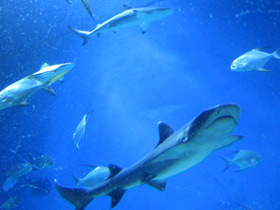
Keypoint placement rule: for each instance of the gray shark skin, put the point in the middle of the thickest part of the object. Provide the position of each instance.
(130, 17)
(17, 94)
(176, 152)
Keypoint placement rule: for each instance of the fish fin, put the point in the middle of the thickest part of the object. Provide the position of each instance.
(45, 65)
(144, 26)
(114, 170)
(116, 196)
(80, 198)
(242, 169)
(264, 70)
(126, 7)
(89, 165)
(49, 90)
(276, 54)
(158, 184)
(22, 104)
(77, 181)
(61, 79)
(228, 161)
(164, 132)
(229, 140)
(85, 35)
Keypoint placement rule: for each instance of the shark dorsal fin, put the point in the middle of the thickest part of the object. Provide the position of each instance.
(45, 65)
(116, 196)
(164, 132)
(126, 7)
(114, 170)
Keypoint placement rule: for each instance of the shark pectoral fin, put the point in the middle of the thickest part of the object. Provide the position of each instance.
(229, 140)
(126, 7)
(114, 170)
(45, 65)
(144, 26)
(116, 196)
(158, 184)
(164, 132)
(264, 70)
(49, 90)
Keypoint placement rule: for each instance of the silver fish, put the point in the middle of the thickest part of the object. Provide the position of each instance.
(96, 176)
(80, 130)
(176, 152)
(130, 17)
(244, 159)
(11, 203)
(41, 162)
(253, 60)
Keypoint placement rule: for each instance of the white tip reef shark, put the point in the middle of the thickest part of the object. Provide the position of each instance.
(176, 152)
(130, 17)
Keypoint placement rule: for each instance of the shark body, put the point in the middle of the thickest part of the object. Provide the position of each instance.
(18, 93)
(130, 17)
(176, 152)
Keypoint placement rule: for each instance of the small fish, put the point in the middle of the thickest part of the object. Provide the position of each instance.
(86, 4)
(80, 130)
(19, 170)
(9, 183)
(69, 1)
(11, 203)
(41, 162)
(244, 159)
(98, 175)
(253, 60)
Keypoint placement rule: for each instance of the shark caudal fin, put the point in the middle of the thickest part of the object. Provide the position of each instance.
(85, 35)
(78, 197)
(276, 54)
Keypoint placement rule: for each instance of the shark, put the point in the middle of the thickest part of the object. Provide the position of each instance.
(17, 94)
(130, 17)
(175, 153)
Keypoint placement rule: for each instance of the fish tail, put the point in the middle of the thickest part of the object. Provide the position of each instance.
(85, 35)
(228, 161)
(276, 54)
(80, 198)
(77, 181)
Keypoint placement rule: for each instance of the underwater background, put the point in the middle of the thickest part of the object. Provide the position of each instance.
(130, 81)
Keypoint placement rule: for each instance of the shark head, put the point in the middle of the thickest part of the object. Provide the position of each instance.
(220, 120)
(155, 12)
(50, 74)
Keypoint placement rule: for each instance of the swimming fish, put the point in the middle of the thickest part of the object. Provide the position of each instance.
(96, 176)
(253, 60)
(80, 130)
(176, 152)
(41, 162)
(11, 203)
(86, 4)
(244, 159)
(69, 1)
(14, 173)
(18, 93)
(130, 17)
(9, 183)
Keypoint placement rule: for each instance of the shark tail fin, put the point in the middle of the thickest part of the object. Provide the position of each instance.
(80, 198)
(85, 35)
(228, 161)
(276, 54)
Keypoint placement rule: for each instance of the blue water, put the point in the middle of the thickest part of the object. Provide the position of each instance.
(130, 81)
